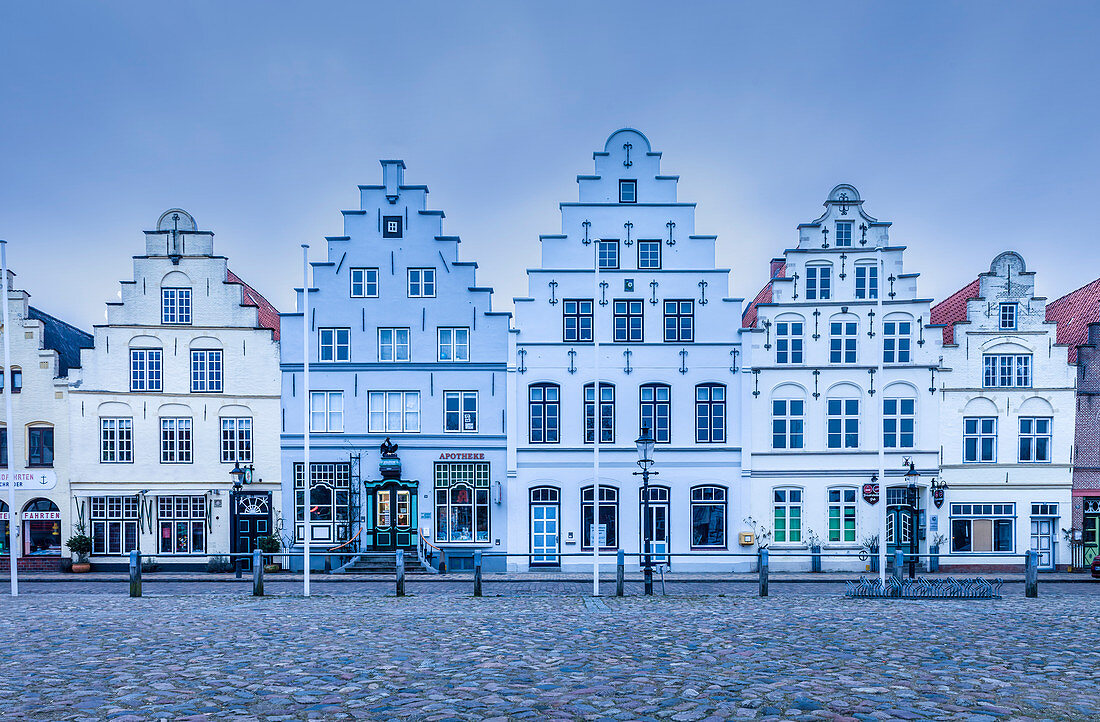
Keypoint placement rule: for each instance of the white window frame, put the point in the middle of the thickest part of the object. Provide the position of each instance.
(790, 341)
(367, 277)
(980, 435)
(116, 440)
(843, 501)
(326, 412)
(655, 411)
(840, 409)
(395, 343)
(421, 283)
(333, 345)
(788, 499)
(844, 346)
(455, 420)
(207, 371)
(401, 407)
(895, 420)
(236, 439)
(712, 410)
(453, 343)
(1006, 370)
(607, 413)
(1032, 436)
(175, 306)
(119, 513)
(982, 513)
(176, 440)
(190, 511)
(789, 424)
(146, 369)
(1009, 316)
(710, 495)
(821, 288)
(845, 226)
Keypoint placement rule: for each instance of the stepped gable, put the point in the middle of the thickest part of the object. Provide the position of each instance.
(952, 310)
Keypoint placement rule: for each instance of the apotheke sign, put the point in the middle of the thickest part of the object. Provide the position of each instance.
(29, 480)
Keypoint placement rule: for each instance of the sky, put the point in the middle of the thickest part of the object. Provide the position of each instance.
(971, 126)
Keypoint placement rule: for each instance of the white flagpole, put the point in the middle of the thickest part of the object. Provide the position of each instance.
(881, 430)
(14, 540)
(306, 476)
(597, 425)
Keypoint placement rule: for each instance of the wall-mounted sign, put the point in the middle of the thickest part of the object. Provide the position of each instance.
(30, 479)
(937, 497)
(41, 516)
(870, 493)
(461, 456)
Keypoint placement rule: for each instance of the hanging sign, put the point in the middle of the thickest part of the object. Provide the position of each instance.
(870, 493)
(937, 497)
(29, 480)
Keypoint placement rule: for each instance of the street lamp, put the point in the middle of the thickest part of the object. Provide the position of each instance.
(911, 476)
(241, 476)
(646, 443)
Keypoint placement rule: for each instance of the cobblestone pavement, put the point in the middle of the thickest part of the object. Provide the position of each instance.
(205, 651)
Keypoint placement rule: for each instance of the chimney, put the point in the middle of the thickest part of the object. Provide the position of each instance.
(393, 175)
(777, 266)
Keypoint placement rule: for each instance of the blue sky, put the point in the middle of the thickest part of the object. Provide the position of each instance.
(972, 126)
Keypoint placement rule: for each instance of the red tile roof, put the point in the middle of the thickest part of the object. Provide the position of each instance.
(748, 318)
(952, 310)
(267, 315)
(1073, 313)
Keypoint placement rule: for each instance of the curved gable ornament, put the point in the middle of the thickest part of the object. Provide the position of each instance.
(176, 219)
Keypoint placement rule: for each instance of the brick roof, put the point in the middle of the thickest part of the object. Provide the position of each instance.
(1073, 313)
(748, 318)
(952, 310)
(62, 337)
(267, 315)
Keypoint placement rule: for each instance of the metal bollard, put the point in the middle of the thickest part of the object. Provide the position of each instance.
(620, 574)
(442, 561)
(1031, 573)
(135, 573)
(257, 573)
(764, 572)
(477, 573)
(400, 573)
(238, 565)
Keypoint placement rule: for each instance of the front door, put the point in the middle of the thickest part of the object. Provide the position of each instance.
(1090, 537)
(899, 532)
(544, 535)
(1042, 541)
(659, 521)
(393, 517)
(252, 520)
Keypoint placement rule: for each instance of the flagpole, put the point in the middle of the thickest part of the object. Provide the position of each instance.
(307, 478)
(597, 425)
(13, 518)
(881, 430)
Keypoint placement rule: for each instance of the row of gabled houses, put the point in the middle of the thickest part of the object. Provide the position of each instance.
(838, 405)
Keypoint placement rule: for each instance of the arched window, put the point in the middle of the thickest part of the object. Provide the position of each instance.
(899, 416)
(789, 330)
(544, 405)
(655, 411)
(897, 339)
(607, 413)
(39, 445)
(175, 295)
(608, 533)
(710, 413)
(843, 339)
(16, 379)
(708, 517)
(819, 281)
(41, 528)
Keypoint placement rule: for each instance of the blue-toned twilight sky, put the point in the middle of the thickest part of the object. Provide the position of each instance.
(972, 126)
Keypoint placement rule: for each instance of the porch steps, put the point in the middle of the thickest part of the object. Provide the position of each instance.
(383, 564)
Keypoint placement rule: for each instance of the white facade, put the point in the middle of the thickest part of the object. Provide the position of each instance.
(183, 383)
(836, 372)
(1007, 425)
(42, 348)
(669, 359)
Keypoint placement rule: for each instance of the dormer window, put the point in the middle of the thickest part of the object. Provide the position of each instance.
(391, 226)
(1008, 317)
(843, 233)
(628, 191)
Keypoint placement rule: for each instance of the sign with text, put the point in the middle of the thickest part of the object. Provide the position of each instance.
(461, 456)
(937, 497)
(602, 535)
(870, 493)
(29, 479)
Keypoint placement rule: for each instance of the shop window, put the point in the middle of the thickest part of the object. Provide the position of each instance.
(41, 528)
(462, 502)
(182, 521)
(987, 528)
(708, 517)
(608, 532)
(114, 524)
(328, 501)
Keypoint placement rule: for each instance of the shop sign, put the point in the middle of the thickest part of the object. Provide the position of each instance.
(29, 480)
(41, 516)
(870, 493)
(602, 537)
(937, 497)
(461, 456)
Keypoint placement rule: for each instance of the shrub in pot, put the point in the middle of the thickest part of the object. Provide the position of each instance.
(81, 545)
(219, 565)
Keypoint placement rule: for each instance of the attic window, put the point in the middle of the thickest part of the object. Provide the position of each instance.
(1008, 317)
(391, 226)
(628, 191)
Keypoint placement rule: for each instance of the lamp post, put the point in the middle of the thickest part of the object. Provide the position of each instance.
(241, 476)
(645, 445)
(911, 488)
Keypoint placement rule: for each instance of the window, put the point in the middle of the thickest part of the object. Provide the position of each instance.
(842, 423)
(175, 305)
(788, 342)
(1002, 370)
(16, 380)
(607, 413)
(656, 411)
(898, 423)
(3, 448)
(649, 254)
(628, 191)
(866, 280)
(842, 342)
(454, 344)
(114, 521)
(421, 283)
(545, 410)
(983, 527)
(206, 371)
(1034, 438)
(328, 501)
(608, 254)
(393, 344)
(40, 446)
(145, 368)
(788, 423)
(1044, 509)
(980, 439)
(710, 413)
(326, 411)
(460, 411)
(708, 517)
(175, 441)
(116, 441)
(364, 283)
(334, 344)
(236, 440)
(182, 524)
(843, 233)
(628, 320)
(391, 412)
(577, 320)
(842, 515)
(391, 226)
(896, 341)
(462, 502)
(1008, 316)
(787, 504)
(608, 532)
(680, 321)
(819, 282)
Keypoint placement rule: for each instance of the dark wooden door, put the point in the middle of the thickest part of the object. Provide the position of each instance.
(251, 520)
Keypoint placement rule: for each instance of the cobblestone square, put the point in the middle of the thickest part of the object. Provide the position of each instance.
(210, 651)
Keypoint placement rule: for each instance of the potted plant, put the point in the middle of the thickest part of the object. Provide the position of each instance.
(934, 552)
(815, 550)
(81, 545)
(870, 548)
(270, 545)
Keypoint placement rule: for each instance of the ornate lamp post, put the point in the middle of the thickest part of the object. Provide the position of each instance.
(646, 444)
(911, 476)
(241, 476)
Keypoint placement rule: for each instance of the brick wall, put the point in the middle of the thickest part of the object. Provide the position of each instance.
(32, 564)
(1086, 460)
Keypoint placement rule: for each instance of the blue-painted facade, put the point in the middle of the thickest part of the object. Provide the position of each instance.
(404, 346)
